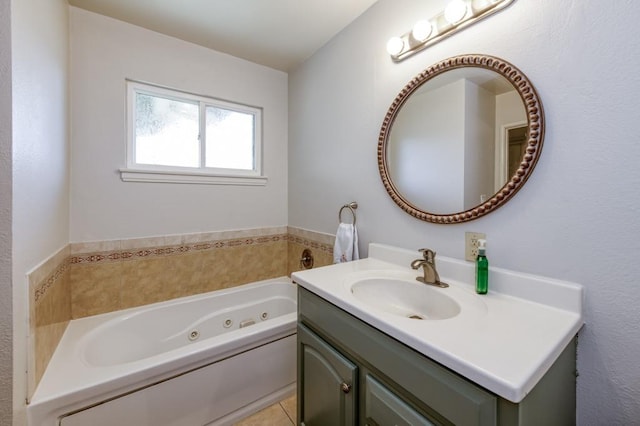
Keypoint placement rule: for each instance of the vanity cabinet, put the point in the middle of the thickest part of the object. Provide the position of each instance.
(330, 382)
(350, 373)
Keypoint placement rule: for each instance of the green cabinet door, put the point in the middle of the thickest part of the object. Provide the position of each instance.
(328, 382)
(384, 407)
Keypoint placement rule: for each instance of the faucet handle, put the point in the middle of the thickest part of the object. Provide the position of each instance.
(428, 254)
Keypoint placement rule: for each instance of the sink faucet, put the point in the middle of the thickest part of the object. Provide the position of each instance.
(428, 264)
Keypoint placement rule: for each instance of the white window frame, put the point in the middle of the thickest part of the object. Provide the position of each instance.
(136, 172)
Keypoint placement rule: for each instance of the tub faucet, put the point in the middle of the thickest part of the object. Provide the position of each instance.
(428, 264)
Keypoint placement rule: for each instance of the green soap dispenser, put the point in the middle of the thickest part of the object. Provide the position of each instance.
(482, 269)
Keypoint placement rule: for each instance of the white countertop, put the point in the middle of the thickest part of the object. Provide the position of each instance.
(504, 341)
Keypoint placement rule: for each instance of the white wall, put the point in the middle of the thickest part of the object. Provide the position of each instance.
(40, 54)
(577, 216)
(104, 53)
(6, 298)
(479, 144)
(420, 142)
(509, 109)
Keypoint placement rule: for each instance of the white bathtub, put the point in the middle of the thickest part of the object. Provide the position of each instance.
(205, 359)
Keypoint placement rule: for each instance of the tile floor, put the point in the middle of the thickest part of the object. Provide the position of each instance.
(280, 414)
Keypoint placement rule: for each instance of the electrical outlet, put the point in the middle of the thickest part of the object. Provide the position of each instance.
(471, 245)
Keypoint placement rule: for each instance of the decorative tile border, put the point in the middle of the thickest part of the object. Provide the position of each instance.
(153, 252)
(112, 251)
(313, 239)
(42, 288)
(48, 273)
(52, 271)
(313, 244)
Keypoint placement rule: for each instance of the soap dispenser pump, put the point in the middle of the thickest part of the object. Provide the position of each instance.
(482, 269)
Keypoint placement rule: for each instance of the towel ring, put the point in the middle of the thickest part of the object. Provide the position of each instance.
(352, 206)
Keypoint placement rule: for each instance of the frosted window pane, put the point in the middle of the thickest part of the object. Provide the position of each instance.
(230, 139)
(166, 132)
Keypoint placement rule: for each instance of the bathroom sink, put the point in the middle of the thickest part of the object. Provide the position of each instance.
(406, 298)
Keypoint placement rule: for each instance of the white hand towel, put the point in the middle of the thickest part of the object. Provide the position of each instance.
(346, 247)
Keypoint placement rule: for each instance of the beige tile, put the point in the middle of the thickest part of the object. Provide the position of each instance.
(95, 289)
(152, 242)
(138, 243)
(294, 254)
(209, 276)
(47, 338)
(275, 230)
(219, 269)
(267, 261)
(95, 247)
(236, 234)
(156, 278)
(232, 266)
(49, 266)
(249, 233)
(290, 407)
(273, 415)
(236, 266)
(188, 268)
(324, 259)
(232, 234)
(173, 240)
(319, 237)
(148, 281)
(199, 237)
(48, 321)
(55, 305)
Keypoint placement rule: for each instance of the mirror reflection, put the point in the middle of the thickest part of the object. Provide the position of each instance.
(465, 130)
(460, 139)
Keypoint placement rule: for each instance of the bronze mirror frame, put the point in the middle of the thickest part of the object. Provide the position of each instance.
(535, 121)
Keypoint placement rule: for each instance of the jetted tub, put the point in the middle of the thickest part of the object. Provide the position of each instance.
(206, 359)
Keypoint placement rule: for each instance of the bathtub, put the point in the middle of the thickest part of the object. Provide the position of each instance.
(206, 359)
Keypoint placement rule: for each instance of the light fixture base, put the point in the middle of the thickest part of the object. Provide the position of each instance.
(462, 13)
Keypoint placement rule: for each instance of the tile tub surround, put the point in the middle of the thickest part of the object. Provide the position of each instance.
(138, 272)
(320, 244)
(49, 311)
(86, 279)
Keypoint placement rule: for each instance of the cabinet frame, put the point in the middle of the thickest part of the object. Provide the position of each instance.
(433, 390)
(412, 376)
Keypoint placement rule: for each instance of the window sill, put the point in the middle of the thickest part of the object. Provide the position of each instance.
(137, 175)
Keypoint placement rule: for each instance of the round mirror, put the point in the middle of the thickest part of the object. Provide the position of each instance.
(460, 139)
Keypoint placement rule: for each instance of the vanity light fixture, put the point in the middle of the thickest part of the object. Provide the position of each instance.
(455, 11)
(422, 30)
(395, 45)
(458, 14)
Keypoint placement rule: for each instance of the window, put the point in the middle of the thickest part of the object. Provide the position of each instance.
(180, 137)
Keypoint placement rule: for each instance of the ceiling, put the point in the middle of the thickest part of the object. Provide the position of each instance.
(280, 34)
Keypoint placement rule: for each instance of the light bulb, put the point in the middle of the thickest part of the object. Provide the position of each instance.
(395, 46)
(422, 30)
(455, 11)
